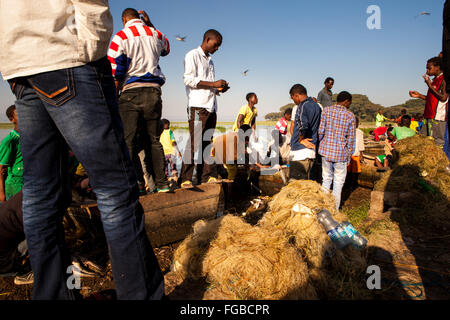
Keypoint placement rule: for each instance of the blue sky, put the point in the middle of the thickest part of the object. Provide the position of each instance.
(286, 42)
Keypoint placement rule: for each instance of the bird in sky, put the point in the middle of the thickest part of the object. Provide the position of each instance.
(182, 39)
(423, 13)
(245, 72)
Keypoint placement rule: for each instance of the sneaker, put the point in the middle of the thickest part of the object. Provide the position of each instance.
(27, 278)
(187, 184)
(80, 270)
(163, 190)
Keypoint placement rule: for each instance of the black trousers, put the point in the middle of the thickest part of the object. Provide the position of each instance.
(200, 120)
(11, 232)
(140, 110)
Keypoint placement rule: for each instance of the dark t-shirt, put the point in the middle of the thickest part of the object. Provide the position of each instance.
(324, 98)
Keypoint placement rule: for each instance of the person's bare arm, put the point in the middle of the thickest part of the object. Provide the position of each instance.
(254, 124)
(146, 19)
(417, 95)
(441, 94)
(2, 184)
(209, 85)
(240, 121)
(307, 143)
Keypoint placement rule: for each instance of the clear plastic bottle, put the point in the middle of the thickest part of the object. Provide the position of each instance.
(358, 241)
(333, 229)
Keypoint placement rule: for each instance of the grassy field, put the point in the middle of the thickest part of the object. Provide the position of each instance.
(222, 126)
(6, 126)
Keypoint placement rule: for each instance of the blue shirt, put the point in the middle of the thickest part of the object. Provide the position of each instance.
(306, 124)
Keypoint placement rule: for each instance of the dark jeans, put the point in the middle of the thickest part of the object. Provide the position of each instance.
(145, 104)
(79, 106)
(301, 170)
(11, 233)
(200, 120)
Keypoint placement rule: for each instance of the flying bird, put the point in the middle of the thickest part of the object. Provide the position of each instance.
(423, 13)
(181, 38)
(245, 72)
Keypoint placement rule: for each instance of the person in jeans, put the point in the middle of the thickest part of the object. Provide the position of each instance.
(69, 99)
(134, 54)
(337, 143)
(305, 137)
(201, 90)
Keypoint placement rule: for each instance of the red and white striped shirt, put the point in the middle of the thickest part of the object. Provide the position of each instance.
(282, 125)
(135, 51)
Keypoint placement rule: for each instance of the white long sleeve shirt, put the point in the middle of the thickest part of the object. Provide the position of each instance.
(199, 67)
(47, 35)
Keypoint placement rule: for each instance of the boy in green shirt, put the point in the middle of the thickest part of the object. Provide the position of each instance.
(404, 130)
(11, 158)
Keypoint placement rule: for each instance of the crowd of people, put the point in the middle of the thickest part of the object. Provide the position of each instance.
(103, 107)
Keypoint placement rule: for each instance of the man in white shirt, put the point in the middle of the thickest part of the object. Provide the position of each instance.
(201, 90)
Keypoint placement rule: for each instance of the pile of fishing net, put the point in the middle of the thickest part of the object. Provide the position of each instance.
(416, 158)
(419, 167)
(335, 273)
(241, 261)
(287, 255)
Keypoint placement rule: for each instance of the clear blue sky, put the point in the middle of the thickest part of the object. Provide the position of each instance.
(287, 42)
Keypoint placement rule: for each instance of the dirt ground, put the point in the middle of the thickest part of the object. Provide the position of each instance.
(414, 263)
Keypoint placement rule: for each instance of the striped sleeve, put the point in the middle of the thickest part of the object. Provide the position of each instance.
(117, 55)
(166, 47)
(164, 41)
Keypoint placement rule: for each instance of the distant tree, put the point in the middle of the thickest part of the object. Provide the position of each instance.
(365, 109)
(274, 116)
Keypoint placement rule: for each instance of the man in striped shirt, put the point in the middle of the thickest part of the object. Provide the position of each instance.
(337, 143)
(134, 55)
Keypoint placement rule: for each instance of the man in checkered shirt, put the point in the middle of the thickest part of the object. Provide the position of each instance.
(337, 143)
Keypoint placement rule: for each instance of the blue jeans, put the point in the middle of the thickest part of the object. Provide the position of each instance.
(77, 108)
(447, 142)
(334, 172)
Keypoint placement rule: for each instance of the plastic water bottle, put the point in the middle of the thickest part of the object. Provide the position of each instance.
(333, 229)
(358, 241)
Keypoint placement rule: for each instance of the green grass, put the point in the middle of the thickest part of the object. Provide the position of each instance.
(4, 126)
(218, 128)
(221, 123)
(357, 215)
(366, 131)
